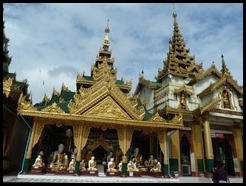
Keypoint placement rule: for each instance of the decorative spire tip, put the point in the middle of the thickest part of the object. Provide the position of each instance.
(174, 12)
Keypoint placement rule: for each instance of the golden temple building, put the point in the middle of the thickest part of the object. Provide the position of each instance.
(188, 120)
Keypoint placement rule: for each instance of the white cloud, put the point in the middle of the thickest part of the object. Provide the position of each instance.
(53, 38)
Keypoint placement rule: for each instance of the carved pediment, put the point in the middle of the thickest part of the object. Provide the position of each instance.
(53, 108)
(156, 117)
(107, 108)
(100, 142)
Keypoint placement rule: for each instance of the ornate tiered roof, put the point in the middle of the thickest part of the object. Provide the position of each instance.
(100, 98)
(103, 61)
(178, 61)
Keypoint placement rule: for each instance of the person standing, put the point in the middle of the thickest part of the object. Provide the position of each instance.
(222, 174)
(215, 174)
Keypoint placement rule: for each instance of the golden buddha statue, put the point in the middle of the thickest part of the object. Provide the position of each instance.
(92, 164)
(82, 165)
(58, 160)
(71, 167)
(131, 166)
(38, 162)
(156, 167)
(111, 166)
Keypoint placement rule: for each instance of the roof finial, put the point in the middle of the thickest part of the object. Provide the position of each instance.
(174, 12)
(107, 30)
(224, 69)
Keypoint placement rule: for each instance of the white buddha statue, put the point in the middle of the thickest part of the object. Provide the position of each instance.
(71, 167)
(38, 162)
(92, 164)
(58, 159)
(111, 166)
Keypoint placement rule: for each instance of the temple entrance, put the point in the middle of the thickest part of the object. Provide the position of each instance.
(223, 154)
(185, 156)
(100, 154)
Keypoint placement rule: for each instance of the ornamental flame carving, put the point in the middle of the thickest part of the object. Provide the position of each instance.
(53, 108)
(7, 83)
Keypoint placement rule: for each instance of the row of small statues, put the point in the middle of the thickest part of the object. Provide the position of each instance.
(56, 167)
(153, 165)
(60, 162)
(92, 165)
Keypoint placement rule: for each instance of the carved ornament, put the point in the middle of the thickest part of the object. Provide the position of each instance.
(7, 83)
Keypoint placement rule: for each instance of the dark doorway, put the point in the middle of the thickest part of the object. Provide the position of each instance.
(100, 154)
(185, 156)
(223, 154)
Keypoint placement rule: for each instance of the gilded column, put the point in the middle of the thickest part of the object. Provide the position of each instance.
(81, 133)
(165, 152)
(196, 132)
(125, 138)
(174, 151)
(78, 138)
(162, 135)
(29, 151)
(239, 148)
(209, 156)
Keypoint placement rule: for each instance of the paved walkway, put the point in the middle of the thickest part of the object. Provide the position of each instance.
(49, 178)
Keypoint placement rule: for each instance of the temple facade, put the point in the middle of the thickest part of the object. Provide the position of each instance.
(100, 118)
(211, 103)
(183, 123)
(15, 129)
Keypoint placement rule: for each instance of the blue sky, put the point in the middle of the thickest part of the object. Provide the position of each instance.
(51, 43)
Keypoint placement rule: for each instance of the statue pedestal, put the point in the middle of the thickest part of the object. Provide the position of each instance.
(37, 170)
(113, 173)
(134, 174)
(157, 174)
(48, 170)
(89, 173)
(144, 171)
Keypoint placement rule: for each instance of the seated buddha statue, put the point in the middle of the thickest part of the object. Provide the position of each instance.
(120, 166)
(156, 167)
(111, 166)
(58, 159)
(71, 167)
(131, 166)
(38, 162)
(82, 165)
(136, 157)
(92, 164)
(151, 162)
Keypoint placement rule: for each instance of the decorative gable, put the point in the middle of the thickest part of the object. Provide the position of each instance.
(107, 108)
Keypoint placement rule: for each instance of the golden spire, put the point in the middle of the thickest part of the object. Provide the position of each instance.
(224, 69)
(179, 61)
(107, 30)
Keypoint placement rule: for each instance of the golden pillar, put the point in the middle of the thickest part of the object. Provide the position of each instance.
(237, 132)
(30, 145)
(162, 135)
(209, 161)
(35, 135)
(174, 151)
(80, 133)
(125, 138)
(196, 132)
